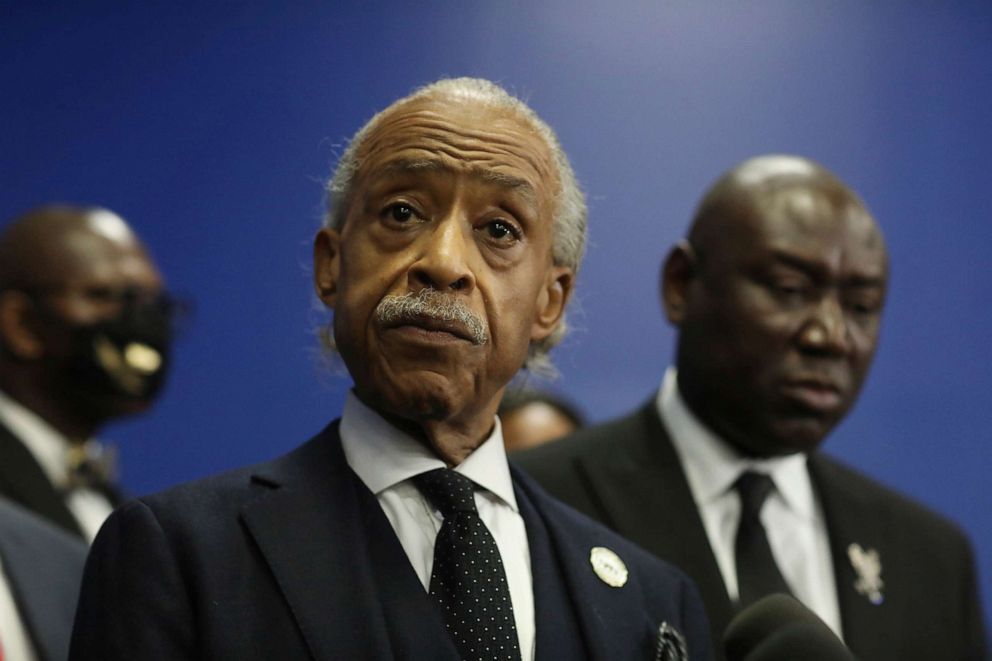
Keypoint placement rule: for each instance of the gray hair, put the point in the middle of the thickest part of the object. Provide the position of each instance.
(570, 216)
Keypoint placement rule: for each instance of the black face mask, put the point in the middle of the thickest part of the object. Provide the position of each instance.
(124, 356)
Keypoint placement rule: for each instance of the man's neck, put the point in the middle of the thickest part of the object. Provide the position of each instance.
(451, 439)
(75, 428)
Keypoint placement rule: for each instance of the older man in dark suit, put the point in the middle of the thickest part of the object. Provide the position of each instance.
(400, 532)
(777, 294)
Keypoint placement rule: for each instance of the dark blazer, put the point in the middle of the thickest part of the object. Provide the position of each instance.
(295, 559)
(23, 481)
(44, 566)
(626, 474)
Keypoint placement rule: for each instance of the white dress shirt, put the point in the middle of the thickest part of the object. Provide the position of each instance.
(50, 449)
(385, 459)
(792, 515)
(14, 638)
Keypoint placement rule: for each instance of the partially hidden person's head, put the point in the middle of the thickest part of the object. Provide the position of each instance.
(449, 252)
(777, 294)
(85, 325)
(533, 417)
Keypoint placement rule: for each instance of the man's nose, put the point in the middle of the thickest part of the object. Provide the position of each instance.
(826, 330)
(443, 263)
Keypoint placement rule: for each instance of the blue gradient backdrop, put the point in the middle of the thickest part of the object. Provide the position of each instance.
(211, 125)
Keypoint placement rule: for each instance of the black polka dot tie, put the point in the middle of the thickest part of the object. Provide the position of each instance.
(468, 582)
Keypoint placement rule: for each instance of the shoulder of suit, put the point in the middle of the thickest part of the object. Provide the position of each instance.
(885, 501)
(592, 441)
(221, 494)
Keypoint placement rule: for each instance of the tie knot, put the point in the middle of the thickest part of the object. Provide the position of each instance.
(449, 491)
(90, 465)
(753, 489)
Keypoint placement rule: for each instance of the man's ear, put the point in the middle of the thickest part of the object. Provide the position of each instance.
(17, 331)
(551, 301)
(327, 265)
(676, 275)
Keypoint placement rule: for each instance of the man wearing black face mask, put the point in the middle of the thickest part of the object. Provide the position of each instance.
(84, 339)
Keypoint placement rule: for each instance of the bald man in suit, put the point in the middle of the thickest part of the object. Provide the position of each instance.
(777, 294)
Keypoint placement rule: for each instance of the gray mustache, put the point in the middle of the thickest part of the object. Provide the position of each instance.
(431, 304)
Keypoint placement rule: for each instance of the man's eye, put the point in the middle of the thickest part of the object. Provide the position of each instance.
(502, 230)
(104, 294)
(401, 213)
(864, 306)
(789, 289)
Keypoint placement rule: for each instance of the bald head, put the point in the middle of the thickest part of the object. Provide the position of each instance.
(782, 190)
(777, 295)
(52, 246)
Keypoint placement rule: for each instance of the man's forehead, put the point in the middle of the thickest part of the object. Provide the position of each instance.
(433, 164)
(99, 257)
(493, 143)
(806, 230)
(808, 211)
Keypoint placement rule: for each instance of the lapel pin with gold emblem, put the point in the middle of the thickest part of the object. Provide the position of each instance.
(868, 566)
(608, 566)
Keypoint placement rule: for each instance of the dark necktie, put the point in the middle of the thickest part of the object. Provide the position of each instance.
(468, 582)
(757, 573)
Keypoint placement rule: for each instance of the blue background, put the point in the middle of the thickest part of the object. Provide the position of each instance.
(211, 127)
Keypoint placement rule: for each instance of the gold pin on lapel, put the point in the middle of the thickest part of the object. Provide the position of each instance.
(608, 566)
(868, 566)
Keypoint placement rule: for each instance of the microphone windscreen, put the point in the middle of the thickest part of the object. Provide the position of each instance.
(778, 628)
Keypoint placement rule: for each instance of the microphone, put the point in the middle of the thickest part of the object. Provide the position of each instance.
(779, 628)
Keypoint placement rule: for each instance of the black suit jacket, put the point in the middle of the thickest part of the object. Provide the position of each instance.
(295, 559)
(626, 474)
(44, 566)
(23, 481)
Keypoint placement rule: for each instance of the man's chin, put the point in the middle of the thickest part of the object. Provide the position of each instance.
(417, 395)
(799, 435)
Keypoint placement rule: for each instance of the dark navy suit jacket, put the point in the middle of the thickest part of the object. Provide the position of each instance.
(294, 559)
(626, 474)
(43, 566)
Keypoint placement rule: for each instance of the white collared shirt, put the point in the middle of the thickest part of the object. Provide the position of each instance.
(385, 459)
(49, 448)
(792, 515)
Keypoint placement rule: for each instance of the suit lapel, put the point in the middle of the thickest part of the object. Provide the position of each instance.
(321, 533)
(558, 633)
(852, 519)
(45, 609)
(416, 628)
(23, 481)
(590, 597)
(639, 472)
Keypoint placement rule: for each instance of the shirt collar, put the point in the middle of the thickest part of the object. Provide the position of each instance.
(48, 447)
(712, 465)
(383, 456)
